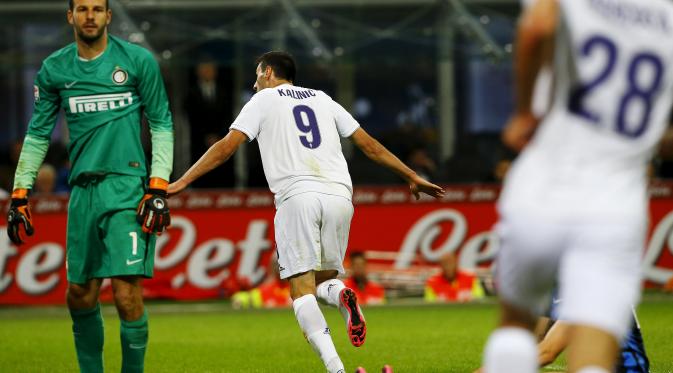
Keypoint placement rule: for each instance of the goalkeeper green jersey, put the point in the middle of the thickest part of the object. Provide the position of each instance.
(103, 100)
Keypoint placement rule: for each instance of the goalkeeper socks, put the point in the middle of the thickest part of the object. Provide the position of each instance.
(314, 326)
(134, 338)
(87, 328)
(511, 349)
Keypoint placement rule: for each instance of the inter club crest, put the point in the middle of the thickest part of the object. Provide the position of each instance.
(119, 76)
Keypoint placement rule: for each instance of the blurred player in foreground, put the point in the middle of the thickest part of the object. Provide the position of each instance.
(366, 290)
(103, 84)
(452, 284)
(574, 205)
(298, 130)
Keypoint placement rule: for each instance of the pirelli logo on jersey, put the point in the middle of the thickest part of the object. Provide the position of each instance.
(96, 103)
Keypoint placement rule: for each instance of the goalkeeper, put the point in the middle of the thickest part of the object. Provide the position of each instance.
(103, 84)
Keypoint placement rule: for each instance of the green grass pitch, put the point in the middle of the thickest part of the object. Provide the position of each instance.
(213, 338)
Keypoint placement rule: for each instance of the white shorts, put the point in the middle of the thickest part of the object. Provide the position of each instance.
(312, 233)
(596, 266)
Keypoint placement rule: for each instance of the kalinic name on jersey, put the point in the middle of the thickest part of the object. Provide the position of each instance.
(297, 95)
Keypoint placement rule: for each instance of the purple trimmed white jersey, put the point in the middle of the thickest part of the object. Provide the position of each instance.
(611, 100)
(299, 131)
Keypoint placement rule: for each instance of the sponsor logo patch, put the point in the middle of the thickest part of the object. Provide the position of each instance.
(36, 93)
(95, 103)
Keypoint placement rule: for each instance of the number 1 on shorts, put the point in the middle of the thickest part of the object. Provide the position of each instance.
(134, 237)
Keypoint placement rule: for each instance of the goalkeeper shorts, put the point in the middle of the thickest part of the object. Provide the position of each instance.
(104, 239)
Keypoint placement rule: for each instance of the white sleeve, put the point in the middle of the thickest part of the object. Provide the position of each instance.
(249, 120)
(345, 122)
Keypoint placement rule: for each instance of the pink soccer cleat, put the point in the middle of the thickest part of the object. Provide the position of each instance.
(357, 331)
(387, 369)
(360, 370)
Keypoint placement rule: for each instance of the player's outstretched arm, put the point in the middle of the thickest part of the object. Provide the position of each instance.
(379, 154)
(217, 154)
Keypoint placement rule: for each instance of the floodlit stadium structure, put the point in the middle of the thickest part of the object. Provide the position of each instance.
(333, 39)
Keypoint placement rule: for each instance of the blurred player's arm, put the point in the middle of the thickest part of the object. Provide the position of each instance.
(35, 146)
(379, 154)
(554, 342)
(534, 41)
(217, 154)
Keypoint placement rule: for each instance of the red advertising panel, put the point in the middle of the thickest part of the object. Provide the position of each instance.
(222, 241)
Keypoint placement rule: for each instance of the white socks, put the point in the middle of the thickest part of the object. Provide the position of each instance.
(328, 291)
(511, 349)
(314, 326)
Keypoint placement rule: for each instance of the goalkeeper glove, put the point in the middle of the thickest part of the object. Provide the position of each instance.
(153, 214)
(19, 218)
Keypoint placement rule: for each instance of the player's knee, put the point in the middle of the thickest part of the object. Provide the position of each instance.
(129, 305)
(81, 297)
(323, 276)
(302, 284)
(125, 298)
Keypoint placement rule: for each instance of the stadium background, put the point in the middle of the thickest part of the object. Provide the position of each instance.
(431, 79)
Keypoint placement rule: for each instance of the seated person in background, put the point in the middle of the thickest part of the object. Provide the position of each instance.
(272, 293)
(367, 291)
(452, 284)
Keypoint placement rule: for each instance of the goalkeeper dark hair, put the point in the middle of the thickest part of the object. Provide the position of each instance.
(71, 4)
(282, 64)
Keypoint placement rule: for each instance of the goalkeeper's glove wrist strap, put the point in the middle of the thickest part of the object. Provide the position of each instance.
(20, 193)
(158, 183)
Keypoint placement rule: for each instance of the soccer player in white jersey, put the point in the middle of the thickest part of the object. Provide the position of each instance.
(299, 132)
(574, 205)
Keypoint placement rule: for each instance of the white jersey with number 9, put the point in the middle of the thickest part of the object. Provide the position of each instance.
(299, 130)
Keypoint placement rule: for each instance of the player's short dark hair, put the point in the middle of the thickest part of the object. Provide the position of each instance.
(71, 4)
(357, 254)
(282, 64)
